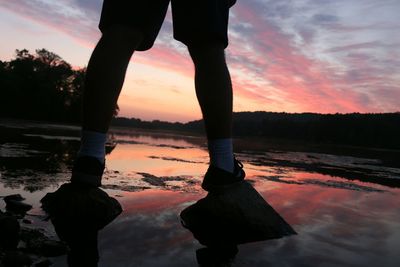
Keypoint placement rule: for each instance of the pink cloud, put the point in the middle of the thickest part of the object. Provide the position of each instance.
(308, 83)
(268, 68)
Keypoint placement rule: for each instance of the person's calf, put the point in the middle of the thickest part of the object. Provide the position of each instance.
(104, 79)
(213, 88)
(105, 75)
(214, 93)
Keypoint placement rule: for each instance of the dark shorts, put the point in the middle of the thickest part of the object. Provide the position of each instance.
(194, 21)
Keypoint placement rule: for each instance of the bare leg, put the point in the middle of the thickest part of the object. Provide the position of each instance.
(105, 76)
(213, 89)
(104, 79)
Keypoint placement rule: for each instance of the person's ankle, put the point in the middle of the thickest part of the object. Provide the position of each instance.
(93, 145)
(221, 154)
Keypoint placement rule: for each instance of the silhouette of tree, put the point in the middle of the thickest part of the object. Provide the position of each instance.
(40, 86)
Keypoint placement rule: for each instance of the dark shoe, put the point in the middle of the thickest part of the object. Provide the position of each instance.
(217, 179)
(236, 215)
(87, 171)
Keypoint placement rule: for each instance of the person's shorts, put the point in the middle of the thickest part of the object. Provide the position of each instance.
(194, 21)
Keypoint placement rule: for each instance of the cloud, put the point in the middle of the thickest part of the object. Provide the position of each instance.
(64, 16)
(284, 55)
(324, 19)
(356, 46)
(275, 57)
(307, 73)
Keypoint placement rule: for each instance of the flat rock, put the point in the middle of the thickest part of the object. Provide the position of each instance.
(237, 215)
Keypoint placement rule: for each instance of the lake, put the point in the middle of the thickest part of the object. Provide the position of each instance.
(344, 207)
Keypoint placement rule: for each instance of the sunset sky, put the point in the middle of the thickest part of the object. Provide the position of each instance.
(322, 56)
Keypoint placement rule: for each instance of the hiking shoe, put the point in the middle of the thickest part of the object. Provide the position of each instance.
(87, 171)
(234, 215)
(217, 179)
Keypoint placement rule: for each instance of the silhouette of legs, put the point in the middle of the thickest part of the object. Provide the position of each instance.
(214, 93)
(105, 75)
(104, 79)
(213, 88)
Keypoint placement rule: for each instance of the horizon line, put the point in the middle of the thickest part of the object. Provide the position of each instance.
(291, 113)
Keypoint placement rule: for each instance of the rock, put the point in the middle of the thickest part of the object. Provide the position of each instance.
(17, 206)
(74, 206)
(152, 179)
(77, 214)
(14, 197)
(16, 259)
(14, 204)
(237, 215)
(9, 232)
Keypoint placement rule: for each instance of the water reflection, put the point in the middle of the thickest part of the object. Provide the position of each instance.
(40, 157)
(345, 208)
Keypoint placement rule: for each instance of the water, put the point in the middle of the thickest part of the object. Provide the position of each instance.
(345, 208)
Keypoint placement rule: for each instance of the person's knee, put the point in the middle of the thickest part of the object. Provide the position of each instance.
(123, 36)
(207, 52)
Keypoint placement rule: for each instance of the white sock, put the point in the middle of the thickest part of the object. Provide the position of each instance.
(221, 153)
(93, 145)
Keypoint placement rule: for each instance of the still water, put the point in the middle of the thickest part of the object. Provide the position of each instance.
(345, 208)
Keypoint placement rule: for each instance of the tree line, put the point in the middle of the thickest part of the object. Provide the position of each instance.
(42, 86)
(378, 130)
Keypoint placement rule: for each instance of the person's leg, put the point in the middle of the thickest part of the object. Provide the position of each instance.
(104, 79)
(202, 27)
(214, 93)
(213, 88)
(105, 75)
(126, 26)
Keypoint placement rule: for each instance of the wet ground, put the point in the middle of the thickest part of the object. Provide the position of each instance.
(344, 207)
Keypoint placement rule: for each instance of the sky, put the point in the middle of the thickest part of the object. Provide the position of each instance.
(325, 56)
